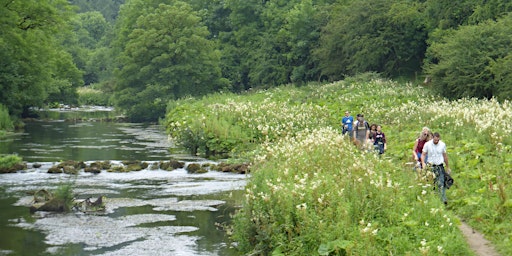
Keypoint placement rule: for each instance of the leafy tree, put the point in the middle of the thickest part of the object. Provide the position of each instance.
(270, 42)
(473, 61)
(448, 14)
(167, 55)
(238, 45)
(291, 31)
(88, 44)
(34, 64)
(382, 36)
(109, 9)
(490, 10)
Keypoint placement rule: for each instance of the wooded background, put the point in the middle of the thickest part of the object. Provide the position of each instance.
(144, 53)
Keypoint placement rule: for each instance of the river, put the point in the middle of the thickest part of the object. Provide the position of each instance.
(148, 212)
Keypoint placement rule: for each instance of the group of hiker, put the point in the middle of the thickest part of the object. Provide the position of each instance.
(429, 151)
(363, 134)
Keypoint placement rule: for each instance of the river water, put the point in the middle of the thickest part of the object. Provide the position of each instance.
(148, 212)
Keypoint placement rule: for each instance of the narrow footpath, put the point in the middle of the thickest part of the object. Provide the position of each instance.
(477, 241)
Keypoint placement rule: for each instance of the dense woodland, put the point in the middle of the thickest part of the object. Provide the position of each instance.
(144, 53)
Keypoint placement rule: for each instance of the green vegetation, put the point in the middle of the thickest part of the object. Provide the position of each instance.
(9, 163)
(164, 54)
(486, 73)
(63, 196)
(36, 67)
(312, 192)
(91, 96)
(5, 120)
(144, 53)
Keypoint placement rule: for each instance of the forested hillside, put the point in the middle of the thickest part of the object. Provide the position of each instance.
(139, 54)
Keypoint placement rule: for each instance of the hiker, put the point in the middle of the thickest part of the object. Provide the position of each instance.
(379, 140)
(373, 131)
(346, 123)
(435, 149)
(361, 131)
(424, 136)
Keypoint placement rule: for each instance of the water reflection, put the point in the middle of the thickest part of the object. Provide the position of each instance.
(50, 141)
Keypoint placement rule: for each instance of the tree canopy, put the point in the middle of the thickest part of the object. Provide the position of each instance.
(167, 55)
(474, 61)
(146, 52)
(35, 67)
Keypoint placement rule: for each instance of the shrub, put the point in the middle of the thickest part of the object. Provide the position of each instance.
(90, 96)
(5, 120)
(10, 163)
(473, 61)
(64, 195)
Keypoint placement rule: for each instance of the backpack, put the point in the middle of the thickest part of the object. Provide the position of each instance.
(356, 123)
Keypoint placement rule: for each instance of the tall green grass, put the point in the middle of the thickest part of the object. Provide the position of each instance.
(312, 192)
(315, 194)
(91, 96)
(7, 162)
(6, 123)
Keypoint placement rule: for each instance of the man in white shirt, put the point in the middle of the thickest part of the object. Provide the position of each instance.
(435, 149)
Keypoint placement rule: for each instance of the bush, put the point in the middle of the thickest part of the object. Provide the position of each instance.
(90, 96)
(6, 123)
(64, 195)
(10, 163)
(473, 61)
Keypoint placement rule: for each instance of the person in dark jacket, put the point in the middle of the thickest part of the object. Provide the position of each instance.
(379, 140)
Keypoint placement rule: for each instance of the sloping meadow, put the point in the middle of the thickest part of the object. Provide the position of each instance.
(312, 191)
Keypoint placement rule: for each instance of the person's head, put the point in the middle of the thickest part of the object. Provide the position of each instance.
(347, 113)
(436, 138)
(424, 135)
(373, 127)
(379, 128)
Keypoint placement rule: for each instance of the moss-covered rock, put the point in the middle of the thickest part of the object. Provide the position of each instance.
(105, 165)
(68, 169)
(240, 168)
(53, 205)
(195, 168)
(171, 165)
(75, 164)
(176, 164)
(117, 169)
(92, 169)
(136, 167)
(11, 163)
(55, 169)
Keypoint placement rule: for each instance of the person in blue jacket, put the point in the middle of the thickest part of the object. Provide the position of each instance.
(346, 123)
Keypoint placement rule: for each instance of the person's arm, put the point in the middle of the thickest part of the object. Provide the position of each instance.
(423, 156)
(384, 141)
(414, 151)
(447, 168)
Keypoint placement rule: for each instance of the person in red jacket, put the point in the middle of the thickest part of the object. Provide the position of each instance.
(425, 136)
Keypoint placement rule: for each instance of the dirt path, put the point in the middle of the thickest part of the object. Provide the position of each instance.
(477, 241)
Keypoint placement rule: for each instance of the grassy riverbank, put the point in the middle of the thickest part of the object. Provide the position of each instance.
(312, 192)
